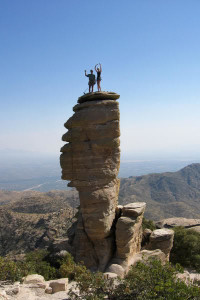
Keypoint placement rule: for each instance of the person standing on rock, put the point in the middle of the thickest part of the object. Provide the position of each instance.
(98, 70)
(92, 80)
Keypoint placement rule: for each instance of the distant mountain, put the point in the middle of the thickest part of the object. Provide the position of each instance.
(31, 219)
(170, 194)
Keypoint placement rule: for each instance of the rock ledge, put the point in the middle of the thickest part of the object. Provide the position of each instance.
(98, 96)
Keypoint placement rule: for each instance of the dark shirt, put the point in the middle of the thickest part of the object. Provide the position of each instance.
(98, 75)
(91, 77)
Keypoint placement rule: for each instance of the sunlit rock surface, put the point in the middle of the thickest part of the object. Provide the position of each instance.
(90, 160)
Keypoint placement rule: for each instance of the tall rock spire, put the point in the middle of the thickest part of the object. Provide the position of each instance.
(91, 160)
(108, 236)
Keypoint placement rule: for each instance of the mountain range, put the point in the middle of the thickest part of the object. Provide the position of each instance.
(32, 219)
(170, 194)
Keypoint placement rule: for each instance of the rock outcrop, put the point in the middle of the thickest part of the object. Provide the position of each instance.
(161, 239)
(107, 236)
(174, 222)
(91, 160)
(128, 237)
(34, 287)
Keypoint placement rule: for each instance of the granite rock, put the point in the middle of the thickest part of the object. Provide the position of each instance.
(58, 285)
(129, 230)
(161, 239)
(174, 222)
(34, 278)
(98, 96)
(91, 160)
(107, 236)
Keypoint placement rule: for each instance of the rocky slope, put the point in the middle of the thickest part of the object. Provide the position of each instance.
(171, 194)
(35, 220)
(37, 202)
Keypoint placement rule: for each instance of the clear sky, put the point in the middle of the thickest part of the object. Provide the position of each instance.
(150, 55)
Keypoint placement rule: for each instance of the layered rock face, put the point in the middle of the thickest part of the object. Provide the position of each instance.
(161, 239)
(108, 237)
(128, 237)
(91, 160)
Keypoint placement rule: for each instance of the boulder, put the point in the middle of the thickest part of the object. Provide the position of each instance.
(161, 239)
(34, 278)
(58, 285)
(109, 275)
(48, 290)
(14, 290)
(134, 209)
(145, 255)
(174, 222)
(116, 269)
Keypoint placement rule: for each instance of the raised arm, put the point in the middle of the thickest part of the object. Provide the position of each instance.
(95, 67)
(100, 67)
(85, 73)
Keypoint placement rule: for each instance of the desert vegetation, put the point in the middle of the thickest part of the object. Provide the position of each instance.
(186, 248)
(146, 280)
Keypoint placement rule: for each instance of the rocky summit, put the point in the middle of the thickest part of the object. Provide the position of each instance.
(107, 235)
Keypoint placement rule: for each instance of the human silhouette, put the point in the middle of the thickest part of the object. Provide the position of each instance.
(92, 81)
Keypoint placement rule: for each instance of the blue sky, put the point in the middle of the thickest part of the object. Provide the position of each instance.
(150, 54)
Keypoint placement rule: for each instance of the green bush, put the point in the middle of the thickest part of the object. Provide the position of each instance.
(154, 281)
(9, 270)
(148, 224)
(67, 267)
(37, 262)
(92, 286)
(34, 263)
(186, 248)
(145, 281)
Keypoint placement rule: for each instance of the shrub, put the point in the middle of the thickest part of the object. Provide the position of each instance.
(154, 281)
(148, 224)
(145, 281)
(9, 270)
(34, 263)
(186, 248)
(92, 286)
(37, 262)
(67, 267)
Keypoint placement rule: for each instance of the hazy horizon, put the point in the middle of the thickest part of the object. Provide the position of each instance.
(28, 171)
(150, 55)
(20, 154)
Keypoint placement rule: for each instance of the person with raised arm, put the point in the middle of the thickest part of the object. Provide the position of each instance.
(91, 82)
(98, 70)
